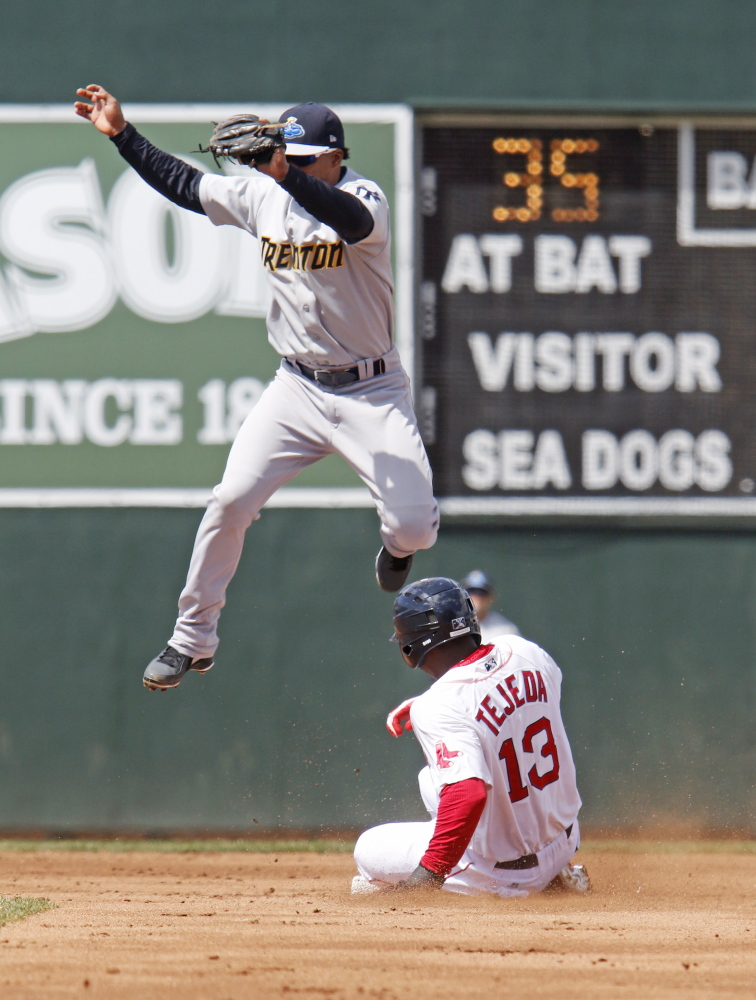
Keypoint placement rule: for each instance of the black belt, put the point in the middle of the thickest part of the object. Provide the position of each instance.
(342, 376)
(526, 861)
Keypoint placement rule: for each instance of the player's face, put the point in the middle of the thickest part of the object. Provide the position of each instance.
(327, 167)
(481, 602)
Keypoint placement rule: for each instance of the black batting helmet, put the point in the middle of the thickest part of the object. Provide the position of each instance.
(429, 613)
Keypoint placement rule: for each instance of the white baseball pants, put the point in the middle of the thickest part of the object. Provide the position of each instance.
(391, 852)
(296, 422)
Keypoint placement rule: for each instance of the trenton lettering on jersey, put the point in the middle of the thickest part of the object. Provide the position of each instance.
(312, 256)
(332, 302)
(496, 716)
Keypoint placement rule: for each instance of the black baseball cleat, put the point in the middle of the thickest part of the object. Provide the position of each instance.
(166, 670)
(391, 571)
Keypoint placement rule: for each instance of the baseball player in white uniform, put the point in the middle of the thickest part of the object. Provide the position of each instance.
(323, 233)
(500, 781)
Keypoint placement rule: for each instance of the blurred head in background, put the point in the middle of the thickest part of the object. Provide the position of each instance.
(479, 586)
(481, 590)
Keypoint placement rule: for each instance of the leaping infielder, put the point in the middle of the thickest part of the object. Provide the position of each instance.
(324, 237)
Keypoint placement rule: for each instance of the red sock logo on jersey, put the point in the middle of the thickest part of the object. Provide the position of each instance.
(444, 757)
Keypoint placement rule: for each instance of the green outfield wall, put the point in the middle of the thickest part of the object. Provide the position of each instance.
(502, 52)
(654, 628)
(654, 632)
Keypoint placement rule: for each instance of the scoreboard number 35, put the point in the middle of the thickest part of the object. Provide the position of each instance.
(537, 182)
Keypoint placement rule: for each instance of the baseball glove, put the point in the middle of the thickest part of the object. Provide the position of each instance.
(247, 138)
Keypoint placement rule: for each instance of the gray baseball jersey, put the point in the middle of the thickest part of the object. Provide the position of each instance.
(332, 303)
(494, 625)
(331, 306)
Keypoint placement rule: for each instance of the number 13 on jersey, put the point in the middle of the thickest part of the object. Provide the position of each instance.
(508, 754)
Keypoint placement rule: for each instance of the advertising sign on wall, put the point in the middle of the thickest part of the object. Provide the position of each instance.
(132, 332)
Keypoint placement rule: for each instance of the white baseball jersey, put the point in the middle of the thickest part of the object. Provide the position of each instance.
(496, 717)
(332, 302)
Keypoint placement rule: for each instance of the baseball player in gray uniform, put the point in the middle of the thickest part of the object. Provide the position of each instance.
(500, 783)
(323, 232)
(481, 590)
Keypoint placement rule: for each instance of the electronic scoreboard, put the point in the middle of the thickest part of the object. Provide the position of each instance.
(587, 314)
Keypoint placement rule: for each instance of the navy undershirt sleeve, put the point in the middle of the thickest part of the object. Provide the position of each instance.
(342, 211)
(171, 177)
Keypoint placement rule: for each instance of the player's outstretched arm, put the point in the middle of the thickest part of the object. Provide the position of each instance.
(175, 180)
(341, 210)
(100, 108)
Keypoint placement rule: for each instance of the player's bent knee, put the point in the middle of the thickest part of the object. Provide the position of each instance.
(390, 852)
(232, 507)
(374, 852)
(412, 528)
(366, 853)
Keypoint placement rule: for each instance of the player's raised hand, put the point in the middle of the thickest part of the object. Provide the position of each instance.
(104, 111)
(399, 719)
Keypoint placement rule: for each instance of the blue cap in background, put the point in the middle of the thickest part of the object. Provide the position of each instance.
(477, 580)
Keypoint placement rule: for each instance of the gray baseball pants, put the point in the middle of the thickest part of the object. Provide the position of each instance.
(296, 422)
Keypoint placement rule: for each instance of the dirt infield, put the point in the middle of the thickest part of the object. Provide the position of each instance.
(238, 926)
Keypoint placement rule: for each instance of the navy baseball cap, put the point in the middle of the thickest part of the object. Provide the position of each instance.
(314, 129)
(477, 580)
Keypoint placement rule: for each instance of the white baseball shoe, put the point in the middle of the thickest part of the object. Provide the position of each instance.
(361, 886)
(572, 878)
